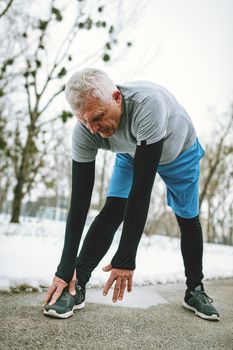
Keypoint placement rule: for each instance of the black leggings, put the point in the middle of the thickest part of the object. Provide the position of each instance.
(192, 250)
(99, 237)
(101, 232)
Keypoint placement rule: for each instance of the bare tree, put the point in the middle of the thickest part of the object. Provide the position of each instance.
(42, 85)
(103, 174)
(5, 174)
(216, 182)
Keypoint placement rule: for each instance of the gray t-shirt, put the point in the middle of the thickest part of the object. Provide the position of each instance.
(150, 112)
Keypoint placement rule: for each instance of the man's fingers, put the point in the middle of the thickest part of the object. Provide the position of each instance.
(116, 290)
(72, 290)
(108, 284)
(56, 295)
(122, 278)
(107, 268)
(48, 295)
(54, 291)
(72, 284)
(74, 278)
(122, 288)
(130, 283)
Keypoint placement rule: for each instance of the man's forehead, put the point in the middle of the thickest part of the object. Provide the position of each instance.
(90, 111)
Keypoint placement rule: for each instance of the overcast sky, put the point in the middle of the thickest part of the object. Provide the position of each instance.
(184, 45)
(188, 46)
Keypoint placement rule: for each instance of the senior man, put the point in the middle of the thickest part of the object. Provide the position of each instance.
(150, 132)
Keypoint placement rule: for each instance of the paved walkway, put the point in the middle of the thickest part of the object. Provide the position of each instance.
(141, 297)
(150, 318)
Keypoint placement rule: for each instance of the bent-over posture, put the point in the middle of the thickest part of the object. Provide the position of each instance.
(150, 132)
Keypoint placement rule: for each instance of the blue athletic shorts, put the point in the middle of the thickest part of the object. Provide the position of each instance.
(180, 176)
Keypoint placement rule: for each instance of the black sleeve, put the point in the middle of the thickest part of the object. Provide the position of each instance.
(83, 175)
(145, 166)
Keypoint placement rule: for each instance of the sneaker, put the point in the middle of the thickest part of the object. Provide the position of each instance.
(64, 306)
(79, 297)
(199, 302)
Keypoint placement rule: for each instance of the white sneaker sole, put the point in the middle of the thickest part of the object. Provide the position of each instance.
(53, 313)
(79, 306)
(213, 317)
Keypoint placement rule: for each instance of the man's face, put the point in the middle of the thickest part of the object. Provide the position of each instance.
(102, 118)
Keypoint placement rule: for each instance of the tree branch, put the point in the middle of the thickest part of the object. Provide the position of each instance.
(7, 8)
(28, 98)
(216, 161)
(50, 100)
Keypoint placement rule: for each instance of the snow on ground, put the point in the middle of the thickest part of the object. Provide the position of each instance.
(30, 253)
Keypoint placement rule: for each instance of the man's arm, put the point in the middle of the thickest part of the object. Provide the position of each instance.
(82, 185)
(146, 162)
(145, 166)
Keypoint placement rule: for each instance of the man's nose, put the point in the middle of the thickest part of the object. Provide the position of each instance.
(93, 127)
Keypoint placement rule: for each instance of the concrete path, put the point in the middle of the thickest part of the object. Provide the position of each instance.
(141, 297)
(150, 318)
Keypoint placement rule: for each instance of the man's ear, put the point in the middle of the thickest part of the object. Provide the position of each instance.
(117, 96)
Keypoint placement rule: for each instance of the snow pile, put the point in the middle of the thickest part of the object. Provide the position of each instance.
(30, 252)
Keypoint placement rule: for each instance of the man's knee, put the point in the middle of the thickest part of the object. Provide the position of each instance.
(113, 209)
(188, 224)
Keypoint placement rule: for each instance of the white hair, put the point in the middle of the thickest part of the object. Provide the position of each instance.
(85, 83)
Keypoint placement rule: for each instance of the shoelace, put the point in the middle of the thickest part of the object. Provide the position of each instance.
(203, 296)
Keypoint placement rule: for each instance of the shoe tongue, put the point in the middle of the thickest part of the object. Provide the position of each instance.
(198, 289)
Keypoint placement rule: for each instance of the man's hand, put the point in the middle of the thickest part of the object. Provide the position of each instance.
(122, 278)
(56, 289)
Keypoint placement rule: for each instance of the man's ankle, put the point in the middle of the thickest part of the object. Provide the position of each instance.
(192, 287)
(81, 284)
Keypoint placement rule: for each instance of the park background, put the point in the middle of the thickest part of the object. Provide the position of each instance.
(186, 46)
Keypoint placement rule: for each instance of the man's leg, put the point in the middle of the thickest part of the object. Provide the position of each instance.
(181, 177)
(100, 234)
(99, 238)
(192, 250)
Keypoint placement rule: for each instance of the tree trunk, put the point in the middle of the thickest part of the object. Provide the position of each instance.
(28, 153)
(102, 181)
(208, 225)
(3, 194)
(17, 201)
